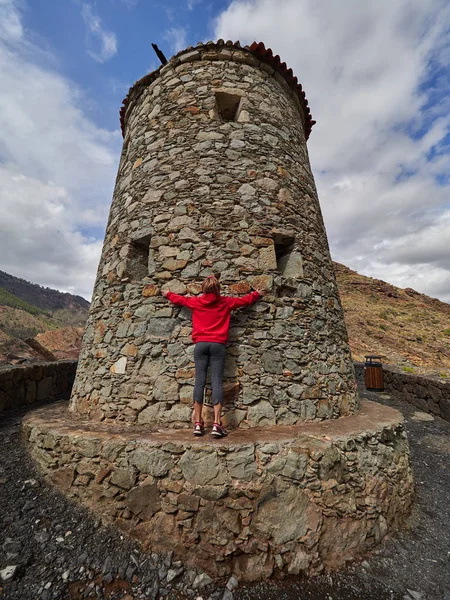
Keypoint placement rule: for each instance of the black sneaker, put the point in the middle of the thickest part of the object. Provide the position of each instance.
(199, 428)
(218, 430)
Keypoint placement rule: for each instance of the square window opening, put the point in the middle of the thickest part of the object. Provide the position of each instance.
(284, 244)
(289, 260)
(139, 258)
(228, 106)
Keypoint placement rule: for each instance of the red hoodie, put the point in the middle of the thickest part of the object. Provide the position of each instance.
(211, 314)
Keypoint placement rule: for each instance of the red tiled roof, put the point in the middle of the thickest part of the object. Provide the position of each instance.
(259, 51)
(266, 55)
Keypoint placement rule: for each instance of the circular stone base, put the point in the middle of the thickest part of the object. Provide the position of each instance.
(261, 502)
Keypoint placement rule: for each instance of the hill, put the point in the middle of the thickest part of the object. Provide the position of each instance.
(28, 310)
(62, 306)
(404, 327)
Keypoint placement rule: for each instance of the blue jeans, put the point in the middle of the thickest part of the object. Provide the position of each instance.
(209, 354)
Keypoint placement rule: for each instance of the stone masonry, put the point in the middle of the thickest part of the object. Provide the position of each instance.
(222, 506)
(214, 176)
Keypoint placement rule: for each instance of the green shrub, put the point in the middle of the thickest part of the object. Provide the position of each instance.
(446, 332)
(408, 369)
(8, 299)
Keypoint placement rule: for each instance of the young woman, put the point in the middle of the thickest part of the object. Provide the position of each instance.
(210, 325)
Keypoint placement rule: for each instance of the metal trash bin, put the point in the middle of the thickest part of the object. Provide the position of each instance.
(373, 374)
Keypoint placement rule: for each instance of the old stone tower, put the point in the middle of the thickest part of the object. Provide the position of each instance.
(214, 177)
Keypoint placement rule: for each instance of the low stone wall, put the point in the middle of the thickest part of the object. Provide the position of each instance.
(429, 394)
(20, 386)
(262, 502)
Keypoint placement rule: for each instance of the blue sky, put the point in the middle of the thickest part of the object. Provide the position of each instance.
(376, 74)
(62, 28)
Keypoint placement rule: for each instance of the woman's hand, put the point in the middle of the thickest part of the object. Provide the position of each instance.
(262, 291)
(165, 293)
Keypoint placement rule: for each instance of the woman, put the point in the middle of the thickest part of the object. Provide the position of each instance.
(210, 325)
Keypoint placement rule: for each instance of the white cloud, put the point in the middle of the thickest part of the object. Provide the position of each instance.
(57, 170)
(376, 75)
(193, 3)
(102, 44)
(10, 24)
(176, 36)
(38, 241)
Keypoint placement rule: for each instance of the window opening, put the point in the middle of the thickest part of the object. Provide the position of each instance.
(228, 105)
(284, 244)
(289, 260)
(139, 258)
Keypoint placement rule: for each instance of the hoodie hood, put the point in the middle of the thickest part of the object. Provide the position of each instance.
(208, 299)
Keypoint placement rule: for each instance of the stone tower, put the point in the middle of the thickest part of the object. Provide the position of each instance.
(214, 176)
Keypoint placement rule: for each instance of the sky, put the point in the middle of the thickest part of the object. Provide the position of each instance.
(376, 74)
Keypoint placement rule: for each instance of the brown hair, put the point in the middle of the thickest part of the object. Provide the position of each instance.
(211, 285)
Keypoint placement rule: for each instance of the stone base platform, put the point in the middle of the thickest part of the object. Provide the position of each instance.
(259, 503)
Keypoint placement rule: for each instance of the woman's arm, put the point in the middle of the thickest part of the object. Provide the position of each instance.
(189, 301)
(234, 303)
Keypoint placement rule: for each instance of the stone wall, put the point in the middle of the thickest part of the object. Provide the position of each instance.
(20, 386)
(197, 192)
(287, 499)
(429, 394)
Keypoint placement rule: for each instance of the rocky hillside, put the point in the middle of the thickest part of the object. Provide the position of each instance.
(402, 326)
(60, 305)
(28, 310)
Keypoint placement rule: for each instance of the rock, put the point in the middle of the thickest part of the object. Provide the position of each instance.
(151, 461)
(241, 463)
(227, 595)
(150, 414)
(295, 466)
(144, 501)
(200, 467)
(150, 290)
(174, 573)
(88, 447)
(273, 506)
(9, 573)
(291, 265)
(246, 190)
(267, 260)
(124, 478)
(232, 583)
(413, 595)
(422, 416)
(160, 327)
(261, 414)
(272, 362)
(211, 493)
(107, 565)
(299, 562)
(201, 581)
(120, 366)
(153, 196)
(262, 282)
(188, 503)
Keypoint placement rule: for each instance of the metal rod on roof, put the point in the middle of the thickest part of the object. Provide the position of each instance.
(159, 54)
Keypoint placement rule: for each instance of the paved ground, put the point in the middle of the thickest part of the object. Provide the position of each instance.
(62, 553)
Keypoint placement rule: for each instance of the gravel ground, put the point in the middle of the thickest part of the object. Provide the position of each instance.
(61, 552)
